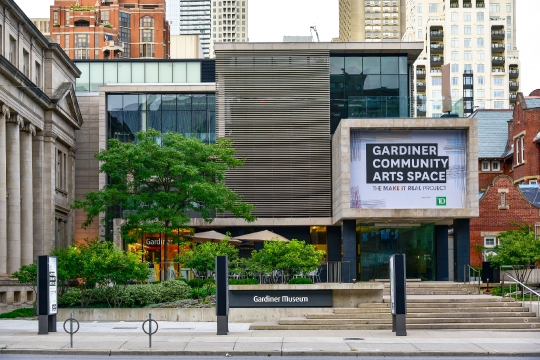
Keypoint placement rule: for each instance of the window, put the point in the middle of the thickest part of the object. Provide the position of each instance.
(82, 54)
(26, 63)
(498, 104)
(454, 43)
(498, 81)
(480, 16)
(467, 16)
(454, 16)
(436, 94)
(147, 21)
(455, 94)
(419, 34)
(37, 74)
(437, 81)
(147, 35)
(12, 50)
(419, 8)
(481, 93)
(455, 55)
(61, 170)
(494, 8)
(419, 21)
(519, 150)
(468, 93)
(485, 166)
(146, 50)
(455, 68)
(498, 93)
(454, 29)
(467, 30)
(467, 42)
(480, 42)
(480, 29)
(490, 241)
(480, 55)
(495, 166)
(468, 67)
(433, 8)
(467, 55)
(482, 104)
(480, 68)
(509, 46)
(508, 7)
(105, 16)
(508, 33)
(81, 41)
(509, 20)
(533, 182)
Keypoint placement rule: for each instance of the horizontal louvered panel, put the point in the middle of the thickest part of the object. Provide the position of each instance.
(275, 107)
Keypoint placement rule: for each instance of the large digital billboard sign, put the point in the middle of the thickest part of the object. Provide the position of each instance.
(408, 169)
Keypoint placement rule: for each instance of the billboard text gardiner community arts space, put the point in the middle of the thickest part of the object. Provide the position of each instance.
(408, 169)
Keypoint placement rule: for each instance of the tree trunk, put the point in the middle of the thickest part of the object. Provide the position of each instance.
(166, 254)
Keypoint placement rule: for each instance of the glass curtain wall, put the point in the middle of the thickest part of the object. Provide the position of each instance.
(368, 87)
(376, 244)
(192, 115)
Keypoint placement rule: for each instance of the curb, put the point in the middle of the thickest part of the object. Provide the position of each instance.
(70, 352)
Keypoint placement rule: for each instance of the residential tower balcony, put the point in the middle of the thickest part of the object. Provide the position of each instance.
(512, 98)
(513, 73)
(436, 48)
(436, 60)
(420, 73)
(497, 34)
(497, 60)
(436, 34)
(513, 85)
(421, 111)
(420, 86)
(497, 48)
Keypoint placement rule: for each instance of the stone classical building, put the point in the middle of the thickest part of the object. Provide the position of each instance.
(38, 119)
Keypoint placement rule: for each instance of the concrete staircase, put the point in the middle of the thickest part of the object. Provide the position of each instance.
(435, 288)
(429, 312)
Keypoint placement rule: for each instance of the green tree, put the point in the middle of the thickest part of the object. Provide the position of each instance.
(294, 257)
(27, 275)
(519, 249)
(159, 179)
(70, 266)
(202, 258)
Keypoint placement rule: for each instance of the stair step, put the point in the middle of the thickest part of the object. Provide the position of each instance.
(459, 300)
(420, 315)
(304, 321)
(462, 326)
(434, 310)
(277, 326)
(410, 321)
(475, 326)
(411, 305)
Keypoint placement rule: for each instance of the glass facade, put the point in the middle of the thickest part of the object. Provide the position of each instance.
(97, 73)
(376, 244)
(368, 86)
(192, 115)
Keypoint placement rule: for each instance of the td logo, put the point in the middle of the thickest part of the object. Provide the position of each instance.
(441, 200)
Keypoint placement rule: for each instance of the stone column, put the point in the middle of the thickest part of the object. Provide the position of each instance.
(3, 191)
(14, 126)
(37, 175)
(348, 236)
(27, 196)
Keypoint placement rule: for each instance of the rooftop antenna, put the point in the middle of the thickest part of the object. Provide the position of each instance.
(314, 28)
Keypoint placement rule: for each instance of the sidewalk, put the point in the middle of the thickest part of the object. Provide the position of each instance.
(196, 338)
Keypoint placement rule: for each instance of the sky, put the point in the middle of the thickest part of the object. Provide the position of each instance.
(270, 20)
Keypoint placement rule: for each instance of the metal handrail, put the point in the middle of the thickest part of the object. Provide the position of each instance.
(523, 286)
(474, 271)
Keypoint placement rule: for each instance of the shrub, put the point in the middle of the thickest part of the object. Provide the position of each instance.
(70, 297)
(203, 292)
(182, 279)
(18, 313)
(249, 281)
(200, 282)
(300, 281)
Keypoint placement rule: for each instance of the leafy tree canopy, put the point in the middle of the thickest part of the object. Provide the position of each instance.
(519, 249)
(159, 179)
(203, 256)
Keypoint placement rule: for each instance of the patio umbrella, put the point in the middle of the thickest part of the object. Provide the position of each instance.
(264, 235)
(213, 236)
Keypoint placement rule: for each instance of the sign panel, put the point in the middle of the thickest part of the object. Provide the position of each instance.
(279, 298)
(408, 169)
(53, 287)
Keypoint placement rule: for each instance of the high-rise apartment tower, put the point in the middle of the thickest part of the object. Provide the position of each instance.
(106, 29)
(229, 22)
(478, 39)
(371, 20)
(191, 17)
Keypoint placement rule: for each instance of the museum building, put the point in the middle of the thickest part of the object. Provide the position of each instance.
(332, 155)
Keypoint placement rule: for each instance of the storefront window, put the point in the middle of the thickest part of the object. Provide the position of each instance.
(376, 244)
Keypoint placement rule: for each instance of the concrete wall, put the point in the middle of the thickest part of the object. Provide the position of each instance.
(186, 47)
(14, 295)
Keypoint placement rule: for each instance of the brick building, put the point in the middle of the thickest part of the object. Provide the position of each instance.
(502, 204)
(107, 29)
(509, 170)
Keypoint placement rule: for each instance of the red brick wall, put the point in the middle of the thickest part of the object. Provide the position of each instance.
(527, 121)
(493, 219)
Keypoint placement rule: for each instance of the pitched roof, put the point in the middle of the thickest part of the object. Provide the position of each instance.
(492, 132)
(532, 101)
(532, 193)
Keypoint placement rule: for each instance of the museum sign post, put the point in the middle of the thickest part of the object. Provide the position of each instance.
(398, 296)
(47, 294)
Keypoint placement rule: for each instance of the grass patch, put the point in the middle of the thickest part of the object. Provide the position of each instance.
(18, 313)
